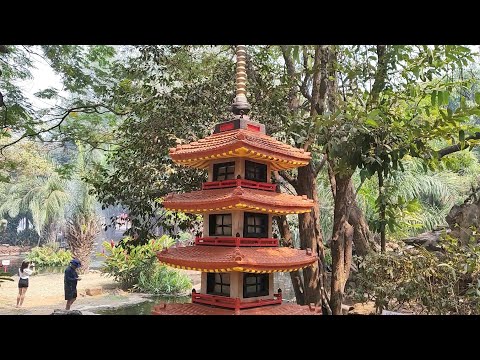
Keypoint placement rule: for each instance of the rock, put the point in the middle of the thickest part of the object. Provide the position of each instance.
(429, 240)
(464, 221)
(66, 312)
(93, 291)
(346, 309)
(119, 292)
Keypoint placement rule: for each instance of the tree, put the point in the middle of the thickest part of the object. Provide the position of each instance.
(82, 225)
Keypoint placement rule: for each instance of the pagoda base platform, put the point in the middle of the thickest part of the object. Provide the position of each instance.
(200, 309)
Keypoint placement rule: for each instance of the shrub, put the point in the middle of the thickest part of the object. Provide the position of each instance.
(49, 256)
(442, 283)
(163, 281)
(126, 262)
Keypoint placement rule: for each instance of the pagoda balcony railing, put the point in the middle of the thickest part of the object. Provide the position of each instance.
(233, 303)
(239, 182)
(235, 241)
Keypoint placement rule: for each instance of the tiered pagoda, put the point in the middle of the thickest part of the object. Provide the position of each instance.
(237, 253)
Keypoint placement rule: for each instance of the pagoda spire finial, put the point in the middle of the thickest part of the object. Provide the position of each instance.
(240, 105)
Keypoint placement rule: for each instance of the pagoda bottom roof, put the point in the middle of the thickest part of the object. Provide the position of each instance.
(200, 309)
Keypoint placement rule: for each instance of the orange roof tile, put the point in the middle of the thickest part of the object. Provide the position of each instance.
(240, 143)
(227, 259)
(238, 199)
(200, 309)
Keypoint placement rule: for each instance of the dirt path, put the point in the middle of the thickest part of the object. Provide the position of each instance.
(46, 293)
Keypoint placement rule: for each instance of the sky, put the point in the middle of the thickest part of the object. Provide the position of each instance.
(43, 77)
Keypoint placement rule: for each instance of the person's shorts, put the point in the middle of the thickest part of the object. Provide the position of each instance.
(70, 292)
(23, 283)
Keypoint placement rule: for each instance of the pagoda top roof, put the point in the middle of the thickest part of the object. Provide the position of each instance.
(248, 141)
(238, 198)
(228, 259)
(200, 309)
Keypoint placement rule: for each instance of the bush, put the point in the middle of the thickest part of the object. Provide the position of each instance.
(126, 262)
(163, 281)
(49, 256)
(444, 283)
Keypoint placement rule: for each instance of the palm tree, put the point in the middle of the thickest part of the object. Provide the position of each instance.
(83, 224)
(44, 198)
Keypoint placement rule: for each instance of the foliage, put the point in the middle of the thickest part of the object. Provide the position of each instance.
(126, 263)
(49, 256)
(444, 283)
(419, 198)
(32, 190)
(82, 225)
(163, 280)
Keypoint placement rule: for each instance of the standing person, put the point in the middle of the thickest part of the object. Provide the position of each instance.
(24, 272)
(70, 282)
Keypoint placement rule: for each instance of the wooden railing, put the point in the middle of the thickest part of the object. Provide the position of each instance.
(233, 303)
(235, 241)
(238, 182)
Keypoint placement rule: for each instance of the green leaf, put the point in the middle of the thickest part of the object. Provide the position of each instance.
(434, 97)
(477, 98)
(440, 98)
(371, 122)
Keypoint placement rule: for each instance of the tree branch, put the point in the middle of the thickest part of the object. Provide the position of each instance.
(291, 180)
(306, 79)
(85, 109)
(320, 165)
(454, 148)
(380, 74)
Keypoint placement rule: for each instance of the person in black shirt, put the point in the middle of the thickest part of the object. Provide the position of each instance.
(70, 282)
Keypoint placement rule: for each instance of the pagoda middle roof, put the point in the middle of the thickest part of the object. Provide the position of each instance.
(240, 143)
(228, 259)
(238, 198)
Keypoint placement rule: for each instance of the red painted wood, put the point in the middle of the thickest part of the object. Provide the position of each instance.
(239, 182)
(233, 303)
(226, 127)
(234, 241)
(253, 127)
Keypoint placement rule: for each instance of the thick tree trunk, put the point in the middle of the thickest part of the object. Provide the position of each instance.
(340, 247)
(381, 195)
(295, 276)
(362, 238)
(311, 237)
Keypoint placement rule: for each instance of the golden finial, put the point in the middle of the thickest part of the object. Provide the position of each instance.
(240, 105)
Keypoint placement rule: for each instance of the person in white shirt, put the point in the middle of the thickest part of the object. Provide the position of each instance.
(24, 272)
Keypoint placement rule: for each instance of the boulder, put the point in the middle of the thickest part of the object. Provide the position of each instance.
(93, 291)
(66, 312)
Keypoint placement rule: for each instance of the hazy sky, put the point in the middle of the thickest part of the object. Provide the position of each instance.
(43, 77)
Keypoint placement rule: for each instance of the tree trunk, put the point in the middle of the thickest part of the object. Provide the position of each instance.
(381, 196)
(362, 238)
(80, 234)
(311, 237)
(295, 276)
(340, 246)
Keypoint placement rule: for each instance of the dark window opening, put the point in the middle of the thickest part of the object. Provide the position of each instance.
(255, 225)
(218, 284)
(255, 171)
(255, 285)
(220, 225)
(224, 171)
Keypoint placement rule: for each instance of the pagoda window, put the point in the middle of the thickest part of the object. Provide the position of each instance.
(255, 171)
(224, 171)
(255, 225)
(255, 285)
(220, 225)
(218, 284)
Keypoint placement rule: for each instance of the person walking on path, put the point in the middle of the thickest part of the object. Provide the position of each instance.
(24, 272)
(70, 281)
